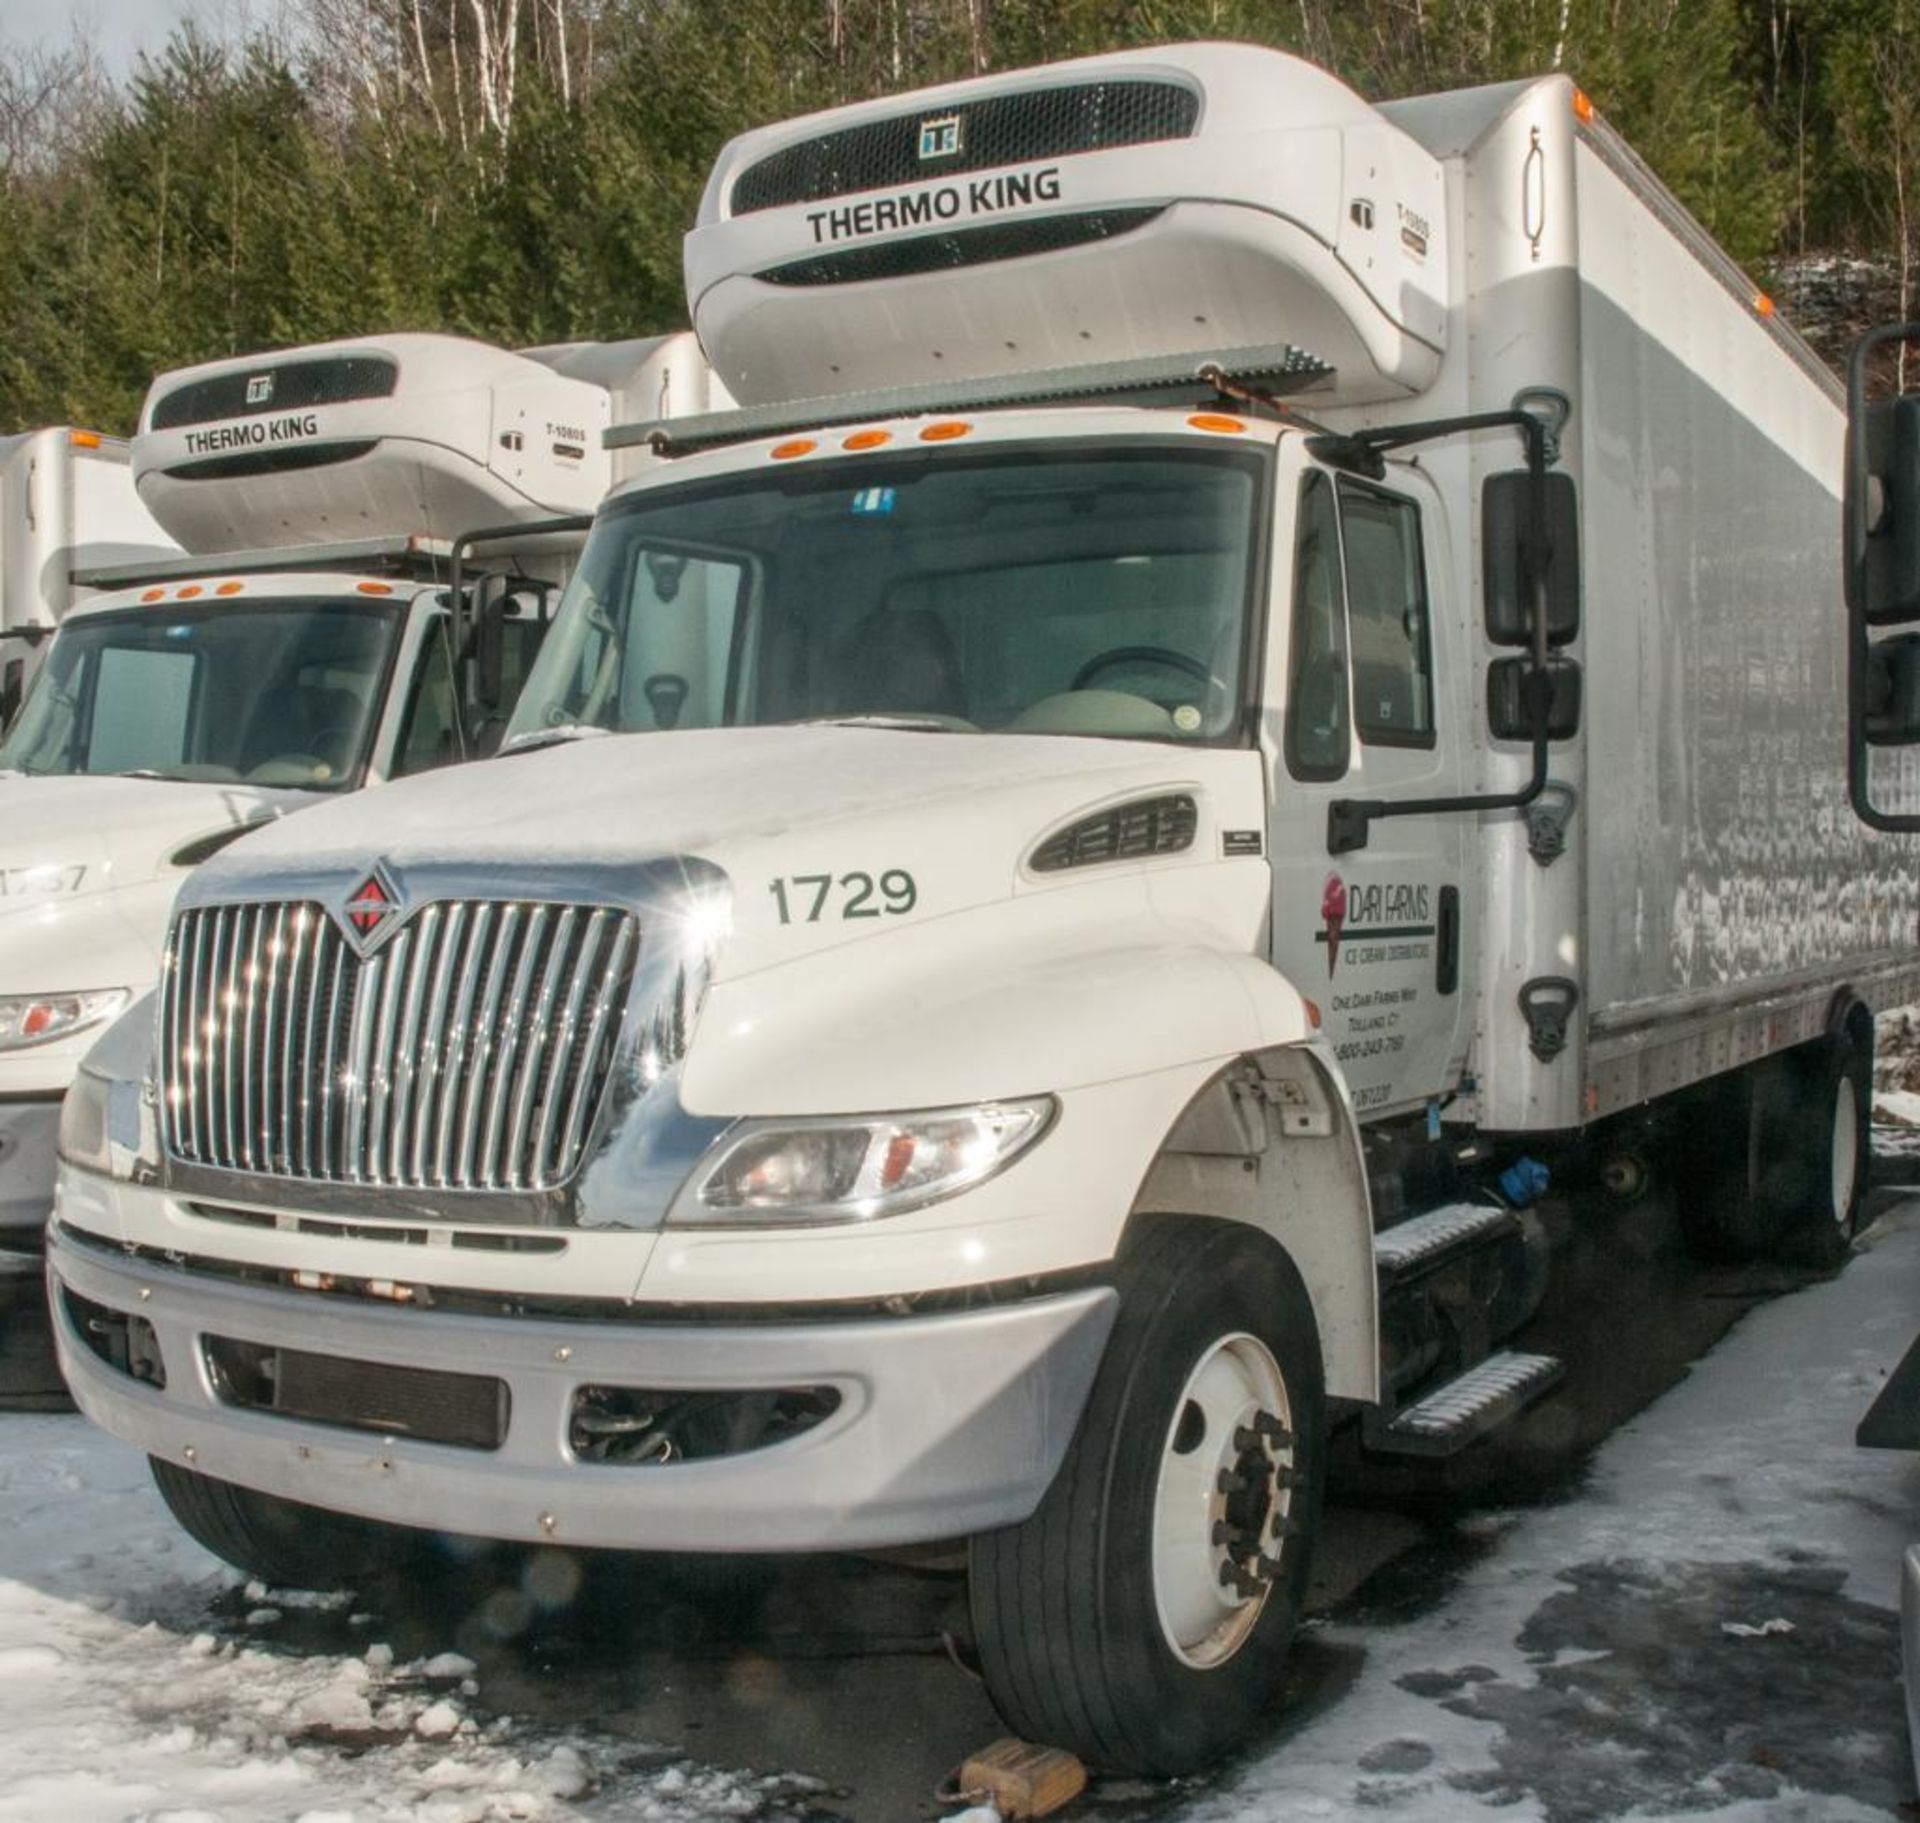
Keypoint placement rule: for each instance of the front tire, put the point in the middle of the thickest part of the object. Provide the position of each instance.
(281, 1542)
(1142, 1616)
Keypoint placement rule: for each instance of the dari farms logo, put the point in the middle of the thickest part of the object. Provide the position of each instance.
(372, 909)
(1378, 910)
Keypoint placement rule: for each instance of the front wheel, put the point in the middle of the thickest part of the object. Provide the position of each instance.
(282, 1542)
(1142, 1616)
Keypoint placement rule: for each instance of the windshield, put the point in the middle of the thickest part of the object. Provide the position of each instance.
(279, 693)
(1080, 591)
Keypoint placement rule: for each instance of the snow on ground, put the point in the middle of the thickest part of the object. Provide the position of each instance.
(1705, 1627)
(134, 1689)
(1708, 1628)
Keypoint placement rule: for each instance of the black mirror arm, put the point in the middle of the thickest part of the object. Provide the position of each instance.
(1349, 820)
(1857, 518)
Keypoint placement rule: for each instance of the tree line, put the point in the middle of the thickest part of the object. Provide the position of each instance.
(523, 170)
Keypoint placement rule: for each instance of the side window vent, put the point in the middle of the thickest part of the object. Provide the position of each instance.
(1147, 826)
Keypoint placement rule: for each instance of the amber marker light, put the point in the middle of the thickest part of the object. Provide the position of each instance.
(800, 446)
(946, 431)
(1583, 107)
(374, 588)
(1217, 422)
(154, 595)
(1762, 304)
(1313, 1011)
(189, 592)
(230, 588)
(867, 439)
(84, 439)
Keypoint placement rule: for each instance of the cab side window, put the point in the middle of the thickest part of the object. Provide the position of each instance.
(430, 736)
(1387, 618)
(1317, 734)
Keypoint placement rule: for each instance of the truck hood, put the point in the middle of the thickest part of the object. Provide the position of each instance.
(793, 815)
(87, 881)
(67, 838)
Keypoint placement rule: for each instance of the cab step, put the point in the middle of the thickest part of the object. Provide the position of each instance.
(1427, 1240)
(1466, 1407)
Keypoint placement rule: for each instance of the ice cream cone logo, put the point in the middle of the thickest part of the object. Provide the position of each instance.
(1333, 908)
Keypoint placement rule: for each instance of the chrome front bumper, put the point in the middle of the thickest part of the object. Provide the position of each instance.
(947, 1424)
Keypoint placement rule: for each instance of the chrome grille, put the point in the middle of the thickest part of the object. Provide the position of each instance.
(470, 1052)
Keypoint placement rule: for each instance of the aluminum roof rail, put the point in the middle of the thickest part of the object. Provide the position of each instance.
(413, 555)
(1284, 366)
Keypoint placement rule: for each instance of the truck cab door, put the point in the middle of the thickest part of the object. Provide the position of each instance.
(1366, 691)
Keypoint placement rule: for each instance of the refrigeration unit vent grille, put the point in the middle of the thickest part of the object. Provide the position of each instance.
(979, 135)
(276, 386)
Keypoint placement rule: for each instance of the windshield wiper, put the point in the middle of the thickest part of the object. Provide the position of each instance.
(147, 772)
(551, 737)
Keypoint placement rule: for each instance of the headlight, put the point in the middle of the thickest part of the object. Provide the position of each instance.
(30, 1019)
(83, 1123)
(859, 1169)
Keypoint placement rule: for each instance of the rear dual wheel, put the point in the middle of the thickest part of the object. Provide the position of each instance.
(1778, 1169)
(1142, 1616)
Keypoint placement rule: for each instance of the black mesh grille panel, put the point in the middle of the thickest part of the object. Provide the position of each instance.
(277, 386)
(997, 130)
(963, 247)
(469, 1411)
(1148, 826)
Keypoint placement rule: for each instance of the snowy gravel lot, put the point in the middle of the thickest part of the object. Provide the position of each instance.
(1703, 1624)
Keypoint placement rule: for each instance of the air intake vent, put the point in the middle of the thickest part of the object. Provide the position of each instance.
(994, 131)
(270, 387)
(966, 247)
(1128, 832)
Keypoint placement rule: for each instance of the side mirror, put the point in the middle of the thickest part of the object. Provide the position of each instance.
(1893, 691)
(1886, 487)
(1505, 573)
(1509, 710)
(1881, 571)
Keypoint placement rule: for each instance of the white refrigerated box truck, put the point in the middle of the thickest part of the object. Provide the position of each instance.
(314, 633)
(67, 501)
(1247, 663)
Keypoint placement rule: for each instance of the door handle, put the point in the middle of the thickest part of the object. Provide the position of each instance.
(1446, 968)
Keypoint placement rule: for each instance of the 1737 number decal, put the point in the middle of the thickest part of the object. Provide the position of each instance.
(807, 898)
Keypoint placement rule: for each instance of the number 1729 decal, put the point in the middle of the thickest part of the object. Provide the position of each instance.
(808, 898)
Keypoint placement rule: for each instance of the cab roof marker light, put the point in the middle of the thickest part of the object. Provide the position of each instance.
(866, 439)
(189, 593)
(374, 588)
(1582, 107)
(797, 446)
(230, 588)
(85, 439)
(154, 595)
(1217, 422)
(1763, 305)
(946, 431)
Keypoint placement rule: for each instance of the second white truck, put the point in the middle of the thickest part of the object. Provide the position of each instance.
(331, 622)
(67, 501)
(1249, 662)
